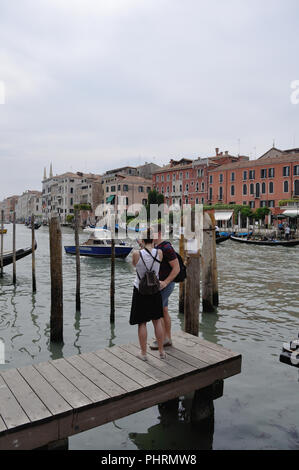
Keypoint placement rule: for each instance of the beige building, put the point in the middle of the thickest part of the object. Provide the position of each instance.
(125, 190)
(8, 205)
(30, 202)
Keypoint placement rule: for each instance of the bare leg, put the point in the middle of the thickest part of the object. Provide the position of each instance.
(142, 335)
(159, 332)
(167, 324)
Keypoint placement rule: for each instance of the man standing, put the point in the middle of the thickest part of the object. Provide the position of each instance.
(169, 269)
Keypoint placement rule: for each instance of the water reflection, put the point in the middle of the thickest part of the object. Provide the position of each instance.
(180, 427)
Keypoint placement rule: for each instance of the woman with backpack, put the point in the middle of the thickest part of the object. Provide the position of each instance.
(147, 300)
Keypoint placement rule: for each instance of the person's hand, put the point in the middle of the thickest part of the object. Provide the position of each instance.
(140, 243)
(163, 284)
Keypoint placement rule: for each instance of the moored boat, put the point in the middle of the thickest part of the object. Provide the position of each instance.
(265, 242)
(21, 253)
(3, 230)
(98, 245)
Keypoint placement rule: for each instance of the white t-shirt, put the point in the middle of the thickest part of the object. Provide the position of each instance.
(148, 260)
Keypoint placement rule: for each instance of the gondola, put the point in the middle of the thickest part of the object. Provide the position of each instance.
(266, 242)
(21, 253)
(222, 238)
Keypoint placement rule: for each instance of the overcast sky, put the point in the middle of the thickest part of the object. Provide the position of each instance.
(95, 84)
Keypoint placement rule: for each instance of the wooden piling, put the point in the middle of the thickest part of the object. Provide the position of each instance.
(112, 282)
(78, 295)
(33, 253)
(14, 259)
(214, 265)
(1, 248)
(56, 321)
(207, 264)
(182, 285)
(192, 289)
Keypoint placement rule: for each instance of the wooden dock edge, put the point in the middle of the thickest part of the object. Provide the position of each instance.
(60, 427)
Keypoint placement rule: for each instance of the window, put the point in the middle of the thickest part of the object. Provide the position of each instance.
(251, 174)
(162, 190)
(113, 188)
(263, 173)
(244, 203)
(220, 193)
(296, 170)
(197, 187)
(211, 179)
(197, 201)
(72, 190)
(296, 187)
(263, 188)
(144, 202)
(286, 171)
(244, 189)
(245, 175)
(187, 187)
(157, 178)
(271, 173)
(187, 175)
(107, 189)
(140, 189)
(251, 188)
(71, 201)
(210, 194)
(285, 186)
(263, 203)
(232, 176)
(173, 188)
(200, 173)
(162, 178)
(232, 190)
(271, 187)
(257, 190)
(252, 204)
(181, 176)
(125, 187)
(168, 177)
(202, 187)
(173, 177)
(271, 203)
(221, 178)
(149, 188)
(202, 200)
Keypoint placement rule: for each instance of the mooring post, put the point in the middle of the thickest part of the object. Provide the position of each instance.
(182, 284)
(207, 264)
(14, 259)
(112, 281)
(1, 248)
(214, 264)
(56, 322)
(192, 289)
(33, 253)
(78, 295)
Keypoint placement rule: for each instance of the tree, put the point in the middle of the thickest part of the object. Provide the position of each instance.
(154, 198)
(261, 213)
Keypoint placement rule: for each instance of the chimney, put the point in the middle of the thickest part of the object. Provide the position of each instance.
(217, 151)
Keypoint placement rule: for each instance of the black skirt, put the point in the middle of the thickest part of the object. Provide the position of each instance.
(145, 307)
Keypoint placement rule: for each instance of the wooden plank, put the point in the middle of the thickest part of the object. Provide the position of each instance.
(145, 398)
(94, 393)
(143, 366)
(30, 437)
(154, 361)
(66, 389)
(27, 398)
(48, 395)
(109, 371)
(185, 357)
(206, 355)
(181, 366)
(205, 343)
(2, 425)
(107, 385)
(10, 410)
(126, 368)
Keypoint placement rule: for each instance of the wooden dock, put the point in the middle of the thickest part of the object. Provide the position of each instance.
(48, 402)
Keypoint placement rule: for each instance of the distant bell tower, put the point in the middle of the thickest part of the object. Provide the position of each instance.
(45, 174)
(51, 171)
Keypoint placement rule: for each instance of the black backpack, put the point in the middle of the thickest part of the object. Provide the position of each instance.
(183, 272)
(149, 284)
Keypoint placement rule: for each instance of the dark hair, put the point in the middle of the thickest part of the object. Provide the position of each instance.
(149, 236)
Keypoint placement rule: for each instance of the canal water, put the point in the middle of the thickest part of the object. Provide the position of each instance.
(258, 311)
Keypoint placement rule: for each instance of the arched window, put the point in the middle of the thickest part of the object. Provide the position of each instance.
(257, 190)
(263, 188)
(251, 188)
(232, 190)
(244, 189)
(296, 187)
(271, 187)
